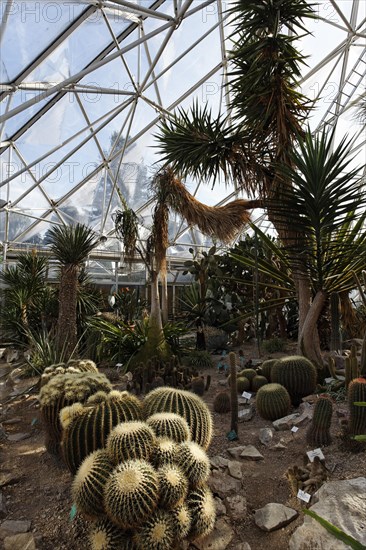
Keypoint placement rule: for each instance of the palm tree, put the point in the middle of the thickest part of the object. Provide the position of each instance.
(71, 245)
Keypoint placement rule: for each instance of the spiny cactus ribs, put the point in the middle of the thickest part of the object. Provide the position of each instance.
(130, 440)
(202, 507)
(221, 403)
(273, 401)
(297, 374)
(169, 425)
(194, 462)
(318, 433)
(357, 394)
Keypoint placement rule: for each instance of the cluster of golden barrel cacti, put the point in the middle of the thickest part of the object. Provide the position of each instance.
(140, 466)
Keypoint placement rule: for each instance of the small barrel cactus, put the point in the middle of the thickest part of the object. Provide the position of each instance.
(201, 504)
(221, 403)
(357, 393)
(170, 425)
(243, 384)
(273, 401)
(130, 440)
(248, 373)
(318, 433)
(198, 385)
(194, 462)
(86, 430)
(258, 381)
(173, 485)
(164, 451)
(131, 493)
(266, 368)
(182, 521)
(88, 485)
(157, 532)
(105, 535)
(186, 404)
(297, 374)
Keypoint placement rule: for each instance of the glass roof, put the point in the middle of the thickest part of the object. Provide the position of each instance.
(83, 85)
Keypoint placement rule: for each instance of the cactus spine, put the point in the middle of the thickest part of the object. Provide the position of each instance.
(130, 440)
(170, 425)
(221, 403)
(258, 381)
(233, 393)
(356, 394)
(202, 507)
(157, 533)
(194, 462)
(105, 535)
(318, 433)
(297, 374)
(273, 401)
(173, 486)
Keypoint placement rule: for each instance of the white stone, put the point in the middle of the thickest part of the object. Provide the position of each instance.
(285, 423)
(342, 503)
(265, 436)
(14, 527)
(274, 516)
(251, 453)
(236, 451)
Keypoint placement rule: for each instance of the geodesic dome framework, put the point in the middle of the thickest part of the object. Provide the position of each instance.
(84, 84)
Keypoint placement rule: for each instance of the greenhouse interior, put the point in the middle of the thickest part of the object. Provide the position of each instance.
(182, 274)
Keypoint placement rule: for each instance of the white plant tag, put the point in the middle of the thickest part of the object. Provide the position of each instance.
(303, 496)
(294, 429)
(246, 395)
(314, 453)
(329, 380)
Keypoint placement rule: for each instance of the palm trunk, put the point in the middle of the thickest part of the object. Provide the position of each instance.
(67, 324)
(309, 343)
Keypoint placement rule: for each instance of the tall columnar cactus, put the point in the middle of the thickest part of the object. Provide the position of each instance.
(194, 462)
(335, 330)
(88, 485)
(130, 440)
(318, 433)
(233, 393)
(221, 403)
(157, 532)
(297, 374)
(63, 390)
(186, 404)
(131, 493)
(170, 425)
(266, 368)
(105, 535)
(85, 429)
(273, 401)
(357, 393)
(202, 507)
(351, 366)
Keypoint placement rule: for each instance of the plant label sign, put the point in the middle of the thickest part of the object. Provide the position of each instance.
(246, 395)
(294, 429)
(303, 496)
(314, 453)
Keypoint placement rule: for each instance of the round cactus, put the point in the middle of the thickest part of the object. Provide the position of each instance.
(266, 368)
(105, 535)
(194, 462)
(248, 373)
(258, 381)
(186, 404)
(198, 385)
(273, 401)
(63, 390)
(357, 393)
(243, 384)
(318, 433)
(182, 521)
(170, 425)
(201, 504)
(131, 493)
(297, 374)
(89, 482)
(164, 452)
(157, 532)
(221, 403)
(173, 486)
(130, 440)
(88, 430)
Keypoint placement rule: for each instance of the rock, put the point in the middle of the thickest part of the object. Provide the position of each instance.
(14, 420)
(305, 416)
(342, 503)
(3, 435)
(310, 398)
(220, 507)
(279, 447)
(236, 451)
(3, 509)
(251, 453)
(8, 479)
(235, 470)
(244, 415)
(19, 436)
(218, 539)
(223, 382)
(223, 485)
(236, 506)
(24, 541)
(242, 546)
(219, 462)
(274, 516)
(285, 423)
(265, 436)
(13, 527)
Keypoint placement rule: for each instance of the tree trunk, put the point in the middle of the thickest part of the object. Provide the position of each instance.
(67, 324)
(303, 290)
(309, 344)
